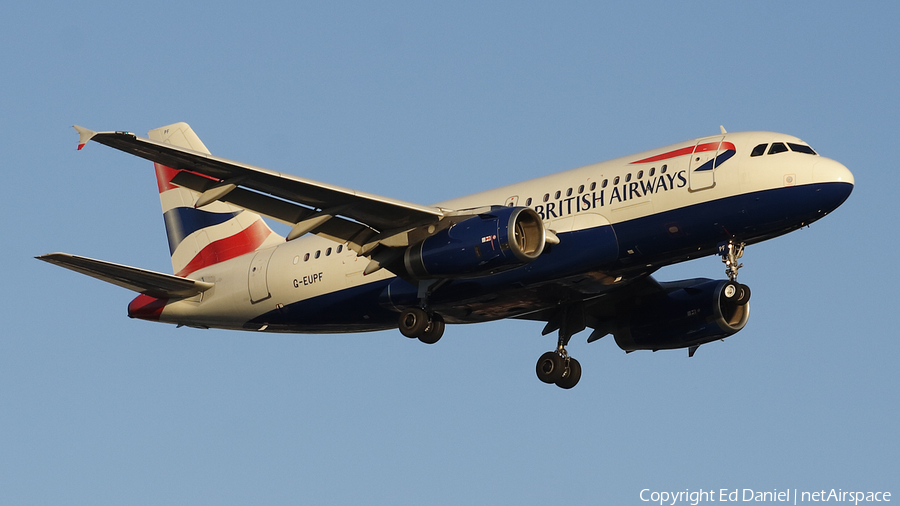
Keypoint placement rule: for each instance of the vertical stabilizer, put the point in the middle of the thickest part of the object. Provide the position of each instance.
(213, 233)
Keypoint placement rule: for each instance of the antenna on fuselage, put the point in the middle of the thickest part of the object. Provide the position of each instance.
(722, 129)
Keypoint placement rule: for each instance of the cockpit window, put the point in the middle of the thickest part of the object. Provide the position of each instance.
(759, 150)
(801, 148)
(777, 147)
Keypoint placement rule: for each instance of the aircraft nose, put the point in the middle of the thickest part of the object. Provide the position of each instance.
(834, 182)
(830, 171)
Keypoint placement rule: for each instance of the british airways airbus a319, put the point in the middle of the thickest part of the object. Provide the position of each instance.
(575, 249)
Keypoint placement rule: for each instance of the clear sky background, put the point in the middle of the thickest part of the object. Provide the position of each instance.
(423, 103)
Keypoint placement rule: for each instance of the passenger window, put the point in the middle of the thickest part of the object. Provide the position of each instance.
(628, 177)
(528, 201)
(558, 193)
(546, 197)
(640, 174)
(581, 189)
(652, 171)
(594, 185)
(340, 248)
(306, 257)
(328, 252)
(605, 182)
(318, 253)
(800, 148)
(616, 180)
(759, 150)
(663, 169)
(777, 147)
(569, 192)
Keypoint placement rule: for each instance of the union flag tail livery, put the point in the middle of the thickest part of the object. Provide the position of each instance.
(575, 250)
(206, 235)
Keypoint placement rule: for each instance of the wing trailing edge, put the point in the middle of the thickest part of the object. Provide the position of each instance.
(154, 284)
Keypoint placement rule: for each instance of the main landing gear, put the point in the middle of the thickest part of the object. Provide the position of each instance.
(559, 368)
(417, 323)
(734, 292)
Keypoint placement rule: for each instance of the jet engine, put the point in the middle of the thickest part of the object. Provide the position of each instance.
(484, 244)
(689, 313)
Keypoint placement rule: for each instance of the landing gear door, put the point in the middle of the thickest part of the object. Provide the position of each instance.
(257, 280)
(702, 173)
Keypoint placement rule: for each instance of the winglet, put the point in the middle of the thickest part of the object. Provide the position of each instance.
(84, 135)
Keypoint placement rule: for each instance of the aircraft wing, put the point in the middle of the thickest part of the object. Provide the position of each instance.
(311, 206)
(597, 311)
(154, 284)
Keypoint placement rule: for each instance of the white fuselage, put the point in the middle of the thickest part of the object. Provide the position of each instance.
(616, 193)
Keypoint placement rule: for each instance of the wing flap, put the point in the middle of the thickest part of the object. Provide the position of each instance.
(154, 284)
(277, 209)
(336, 229)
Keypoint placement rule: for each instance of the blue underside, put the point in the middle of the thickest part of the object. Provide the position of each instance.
(624, 249)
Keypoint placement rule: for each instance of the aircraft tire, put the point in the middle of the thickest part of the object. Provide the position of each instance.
(434, 331)
(550, 367)
(745, 295)
(572, 378)
(413, 322)
(731, 292)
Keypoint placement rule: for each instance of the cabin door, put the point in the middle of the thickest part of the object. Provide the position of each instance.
(257, 280)
(702, 172)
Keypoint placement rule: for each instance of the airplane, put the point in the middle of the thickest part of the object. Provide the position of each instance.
(575, 249)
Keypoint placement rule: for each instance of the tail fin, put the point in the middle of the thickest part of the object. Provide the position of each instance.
(210, 234)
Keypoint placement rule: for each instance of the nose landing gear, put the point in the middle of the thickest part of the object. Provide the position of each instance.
(735, 292)
(731, 253)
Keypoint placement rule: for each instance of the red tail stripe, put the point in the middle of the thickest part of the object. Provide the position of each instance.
(239, 244)
(146, 307)
(165, 174)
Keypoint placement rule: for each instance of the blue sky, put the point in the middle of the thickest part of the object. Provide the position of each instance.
(424, 103)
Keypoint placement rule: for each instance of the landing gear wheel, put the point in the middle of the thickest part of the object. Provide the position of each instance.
(744, 297)
(414, 322)
(731, 292)
(434, 331)
(571, 376)
(550, 367)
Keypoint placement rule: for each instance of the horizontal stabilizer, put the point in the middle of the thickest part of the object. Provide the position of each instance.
(154, 284)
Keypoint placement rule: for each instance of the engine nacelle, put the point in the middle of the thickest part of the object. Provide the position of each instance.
(490, 242)
(692, 314)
